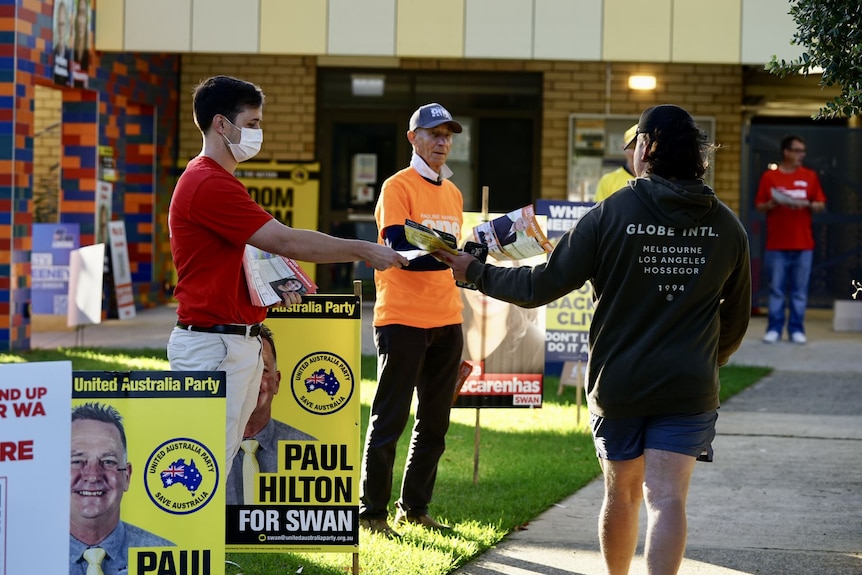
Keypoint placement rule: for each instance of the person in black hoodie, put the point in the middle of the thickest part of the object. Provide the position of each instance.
(669, 265)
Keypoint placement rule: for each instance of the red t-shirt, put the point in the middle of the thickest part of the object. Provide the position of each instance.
(210, 219)
(789, 228)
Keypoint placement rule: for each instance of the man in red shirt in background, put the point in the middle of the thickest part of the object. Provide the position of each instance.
(788, 195)
(211, 219)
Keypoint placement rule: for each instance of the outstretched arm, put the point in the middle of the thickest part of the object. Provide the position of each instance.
(317, 247)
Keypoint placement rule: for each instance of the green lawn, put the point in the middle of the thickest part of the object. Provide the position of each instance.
(529, 459)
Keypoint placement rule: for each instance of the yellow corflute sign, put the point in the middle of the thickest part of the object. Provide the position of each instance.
(310, 500)
(288, 191)
(172, 509)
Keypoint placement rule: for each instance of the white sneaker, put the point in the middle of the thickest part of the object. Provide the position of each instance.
(772, 337)
(799, 338)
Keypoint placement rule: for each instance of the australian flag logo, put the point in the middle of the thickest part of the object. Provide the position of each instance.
(322, 380)
(182, 473)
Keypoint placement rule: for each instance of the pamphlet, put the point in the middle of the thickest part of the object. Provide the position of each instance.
(268, 275)
(464, 371)
(429, 239)
(514, 236)
(782, 198)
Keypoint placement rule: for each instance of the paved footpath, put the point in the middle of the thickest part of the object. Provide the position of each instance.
(783, 497)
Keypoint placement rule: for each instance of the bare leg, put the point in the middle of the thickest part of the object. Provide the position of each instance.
(618, 520)
(667, 476)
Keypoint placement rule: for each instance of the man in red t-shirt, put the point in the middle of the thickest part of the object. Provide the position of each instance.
(211, 219)
(788, 195)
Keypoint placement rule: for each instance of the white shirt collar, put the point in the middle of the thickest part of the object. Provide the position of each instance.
(425, 170)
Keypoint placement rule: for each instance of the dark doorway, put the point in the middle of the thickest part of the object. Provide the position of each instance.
(509, 181)
(501, 114)
(361, 154)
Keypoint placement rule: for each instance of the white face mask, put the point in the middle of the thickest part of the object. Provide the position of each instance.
(250, 140)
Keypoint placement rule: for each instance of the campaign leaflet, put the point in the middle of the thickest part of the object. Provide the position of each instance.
(567, 319)
(308, 499)
(174, 423)
(268, 276)
(516, 235)
(34, 485)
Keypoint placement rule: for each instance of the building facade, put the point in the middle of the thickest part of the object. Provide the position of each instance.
(543, 86)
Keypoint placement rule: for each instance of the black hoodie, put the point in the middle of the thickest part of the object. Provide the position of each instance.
(670, 269)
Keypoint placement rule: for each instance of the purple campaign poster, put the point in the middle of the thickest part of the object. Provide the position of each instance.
(49, 264)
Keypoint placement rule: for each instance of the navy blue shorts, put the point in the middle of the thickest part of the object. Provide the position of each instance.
(625, 438)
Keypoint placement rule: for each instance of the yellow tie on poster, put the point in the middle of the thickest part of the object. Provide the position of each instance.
(250, 469)
(94, 557)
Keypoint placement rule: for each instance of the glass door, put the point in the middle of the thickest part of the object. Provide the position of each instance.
(362, 153)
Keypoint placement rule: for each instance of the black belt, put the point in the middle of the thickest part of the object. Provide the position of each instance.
(230, 329)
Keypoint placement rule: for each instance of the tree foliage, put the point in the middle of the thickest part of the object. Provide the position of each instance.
(830, 31)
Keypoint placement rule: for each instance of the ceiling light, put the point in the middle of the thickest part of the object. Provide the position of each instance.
(641, 82)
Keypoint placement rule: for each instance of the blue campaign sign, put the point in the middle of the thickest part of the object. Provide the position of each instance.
(49, 265)
(567, 320)
(562, 215)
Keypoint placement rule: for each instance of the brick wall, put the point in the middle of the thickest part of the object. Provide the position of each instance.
(289, 83)
(48, 106)
(581, 88)
(91, 117)
(569, 88)
(23, 64)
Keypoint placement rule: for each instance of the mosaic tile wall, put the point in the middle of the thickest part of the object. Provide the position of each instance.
(129, 105)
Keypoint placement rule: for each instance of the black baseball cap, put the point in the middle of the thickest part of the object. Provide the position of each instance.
(661, 118)
(431, 116)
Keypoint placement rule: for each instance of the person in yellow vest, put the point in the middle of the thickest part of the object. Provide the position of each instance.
(619, 178)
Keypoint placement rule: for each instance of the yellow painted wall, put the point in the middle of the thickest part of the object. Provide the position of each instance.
(421, 31)
(706, 31)
(295, 27)
(661, 31)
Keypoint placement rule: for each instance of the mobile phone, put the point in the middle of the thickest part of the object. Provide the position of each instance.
(478, 251)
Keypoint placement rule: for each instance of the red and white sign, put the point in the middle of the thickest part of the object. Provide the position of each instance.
(122, 273)
(34, 474)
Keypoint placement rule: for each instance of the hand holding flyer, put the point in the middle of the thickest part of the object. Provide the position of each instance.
(514, 236)
(783, 199)
(429, 239)
(268, 275)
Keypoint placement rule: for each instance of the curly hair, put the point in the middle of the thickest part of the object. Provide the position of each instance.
(679, 151)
